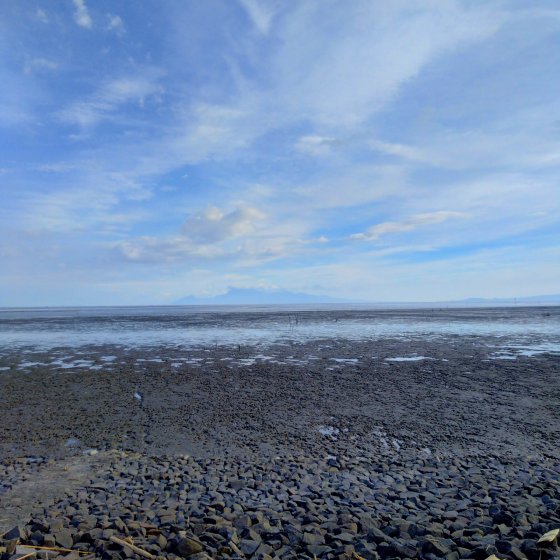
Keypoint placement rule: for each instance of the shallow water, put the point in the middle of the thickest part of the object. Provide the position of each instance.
(516, 331)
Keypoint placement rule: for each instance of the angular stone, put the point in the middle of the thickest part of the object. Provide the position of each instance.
(38, 525)
(503, 518)
(247, 546)
(56, 525)
(64, 538)
(437, 547)
(120, 526)
(228, 533)
(49, 540)
(161, 542)
(264, 550)
(36, 538)
(318, 549)
(406, 550)
(387, 550)
(313, 538)
(481, 553)
(243, 521)
(367, 523)
(503, 546)
(516, 554)
(367, 550)
(16, 533)
(378, 535)
(188, 546)
(345, 537)
(237, 484)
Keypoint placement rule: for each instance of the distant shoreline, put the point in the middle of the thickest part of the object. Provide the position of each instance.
(240, 307)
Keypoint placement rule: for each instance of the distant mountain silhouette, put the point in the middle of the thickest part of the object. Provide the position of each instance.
(253, 296)
(247, 296)
(550, 298)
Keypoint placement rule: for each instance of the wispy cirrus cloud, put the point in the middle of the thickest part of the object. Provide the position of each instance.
(343, 81)
(102, 199)
(40, 64)
(528, 139)
(315, 145)
(260, 13)
(378, 230)
(110, 97)
(403, 151)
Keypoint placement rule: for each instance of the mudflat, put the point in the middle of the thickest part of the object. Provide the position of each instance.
(432, 445)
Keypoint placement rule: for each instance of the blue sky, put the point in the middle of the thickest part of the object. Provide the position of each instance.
(373, 150)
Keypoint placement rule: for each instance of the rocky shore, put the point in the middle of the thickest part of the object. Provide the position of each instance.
(297, 507)
(325, 449)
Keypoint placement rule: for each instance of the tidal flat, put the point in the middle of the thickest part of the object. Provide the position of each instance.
(283, 433)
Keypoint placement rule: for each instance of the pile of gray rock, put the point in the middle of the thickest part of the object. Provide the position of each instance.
(297, 507)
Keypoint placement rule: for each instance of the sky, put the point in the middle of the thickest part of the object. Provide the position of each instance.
(369, 150)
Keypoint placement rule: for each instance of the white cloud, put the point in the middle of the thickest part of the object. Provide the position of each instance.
(42, 16)
(244, 236)
(39, 64)
(332, 83)
(57, 167)
(260, 12)
(213, 225)
(104, 102)
(485, 273)
(524, 139)
(211, 234)
(115, 23)
(353, 186)
(333, 68)
(86, 199)
(508, 197)
(81, 14)
(400, 150)
(315, 145)
(415, 222)
(205, 131)
(338, 67)
(178, 248)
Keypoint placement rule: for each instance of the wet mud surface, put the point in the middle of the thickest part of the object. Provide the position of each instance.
(449, 396)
